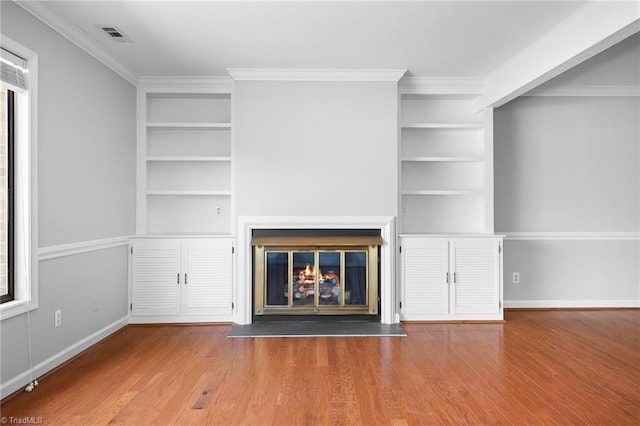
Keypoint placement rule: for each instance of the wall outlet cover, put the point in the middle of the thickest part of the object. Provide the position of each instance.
(57, 318)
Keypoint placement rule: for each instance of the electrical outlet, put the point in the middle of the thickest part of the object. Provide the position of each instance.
(57, 318)
(516, 277)
(218, 211)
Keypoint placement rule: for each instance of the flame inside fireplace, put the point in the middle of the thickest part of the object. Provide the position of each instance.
(308, 271)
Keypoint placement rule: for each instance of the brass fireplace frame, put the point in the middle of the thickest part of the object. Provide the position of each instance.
(262, 245)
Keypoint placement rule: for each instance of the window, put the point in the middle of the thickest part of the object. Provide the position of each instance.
(7, 132)
(18, 179)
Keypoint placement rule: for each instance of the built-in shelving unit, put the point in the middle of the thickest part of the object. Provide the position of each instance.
(445, 165)
(184, 161)
(450, 261)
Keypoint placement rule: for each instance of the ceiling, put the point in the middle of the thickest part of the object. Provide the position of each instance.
(204, 38)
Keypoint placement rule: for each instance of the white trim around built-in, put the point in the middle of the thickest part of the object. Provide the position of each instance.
(242, 292)
(22, 379)
(576, 236)
(285, 74)
(462, 86)
(61, 250)
(201, 84)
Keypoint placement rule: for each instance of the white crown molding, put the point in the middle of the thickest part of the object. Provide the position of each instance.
(202, 84)
(443, 85)
(616, 91)
(52, 19)
(575, 236)
(277, 74)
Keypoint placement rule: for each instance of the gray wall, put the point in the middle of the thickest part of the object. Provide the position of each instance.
(316, 148)
(571, 165)
(567, 164)
(86, 191)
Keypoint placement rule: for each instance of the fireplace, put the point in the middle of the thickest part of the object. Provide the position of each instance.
(316, 272)
(249, 227)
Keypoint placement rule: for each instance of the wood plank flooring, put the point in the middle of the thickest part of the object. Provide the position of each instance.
(540, 367)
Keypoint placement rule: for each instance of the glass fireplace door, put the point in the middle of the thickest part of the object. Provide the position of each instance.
(277, 278)
(303, 278)
(313, 281)
(329, 278)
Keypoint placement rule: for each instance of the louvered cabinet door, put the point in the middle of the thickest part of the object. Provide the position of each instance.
(424, 277)
(156, 277)
(476, 286)
(207, 267)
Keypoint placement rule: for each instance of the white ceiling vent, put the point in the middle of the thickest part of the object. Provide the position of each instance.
(114, 33)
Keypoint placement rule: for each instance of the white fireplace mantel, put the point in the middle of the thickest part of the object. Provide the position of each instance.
(242, 294)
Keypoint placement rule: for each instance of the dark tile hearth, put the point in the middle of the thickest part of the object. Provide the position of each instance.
(316, 328)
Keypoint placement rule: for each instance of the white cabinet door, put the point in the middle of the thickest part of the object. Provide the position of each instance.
(156, 277)
(451, 279)
(476, 280)
(424, 269)
(207, 268)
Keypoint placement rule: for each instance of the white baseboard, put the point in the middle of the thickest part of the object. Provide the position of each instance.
(541, 304)
(23, 379)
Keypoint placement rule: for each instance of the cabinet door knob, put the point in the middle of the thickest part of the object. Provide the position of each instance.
(178, 278)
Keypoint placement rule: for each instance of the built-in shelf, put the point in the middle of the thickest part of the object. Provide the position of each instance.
(187, 158)
(187, 192)
(184, 160)
(157, 125)
(442, 159)
(454, 126)
(443, 165)
(441, 192)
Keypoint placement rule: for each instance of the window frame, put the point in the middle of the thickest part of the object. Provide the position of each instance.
(10, 295)
(25, 226)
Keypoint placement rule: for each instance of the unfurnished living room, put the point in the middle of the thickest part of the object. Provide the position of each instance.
(320, 212)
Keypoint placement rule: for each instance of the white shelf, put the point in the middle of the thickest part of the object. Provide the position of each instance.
(187, 192)
(164, 125)
(443, 212)
(185, 164)
(443, 126)
(189, 158)
(441, 192)
(443, 165)
(442, 159)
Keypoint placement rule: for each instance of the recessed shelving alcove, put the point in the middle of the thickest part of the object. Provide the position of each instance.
(450, 263)
(185, 161)
(444, 165)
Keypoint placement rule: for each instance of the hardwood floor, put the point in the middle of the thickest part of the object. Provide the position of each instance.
(540, 367)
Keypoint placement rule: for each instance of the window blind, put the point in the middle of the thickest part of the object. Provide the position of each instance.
(13, 70)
